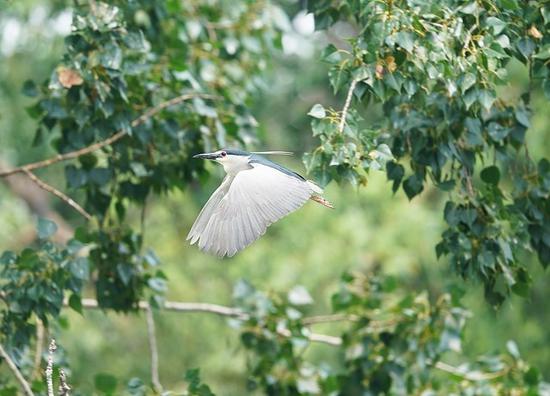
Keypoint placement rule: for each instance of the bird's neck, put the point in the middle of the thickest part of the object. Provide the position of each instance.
(234, 165)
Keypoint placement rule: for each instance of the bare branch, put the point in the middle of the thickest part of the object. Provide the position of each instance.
(107, 142)
(345, 110)
(68, 200)
(216, 309)
(470, 376)
(325, 339)
(49, 367)
(328, 318)
(17, 374)
(154, 349)
(38, 348)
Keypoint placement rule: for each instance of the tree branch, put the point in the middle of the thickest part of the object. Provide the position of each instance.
(328, 319)
(346, 106)
(38, 348)
(107, 142)
(68, 200)
(176, 306)
(17, 374)
(471, 376)
(155, 379)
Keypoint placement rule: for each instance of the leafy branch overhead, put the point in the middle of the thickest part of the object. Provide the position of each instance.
(435, 68)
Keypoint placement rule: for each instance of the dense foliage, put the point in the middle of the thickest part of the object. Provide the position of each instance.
(435, 68)
(152, 83)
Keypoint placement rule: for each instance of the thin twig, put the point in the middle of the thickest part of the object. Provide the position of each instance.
(17, 374)
(49, 367)
(153, 349)
(328, 318)
(62, 196)
(325, 339)
(176, 306)
(107, 142)
(346, 105)
(471, 376)
(38, 348)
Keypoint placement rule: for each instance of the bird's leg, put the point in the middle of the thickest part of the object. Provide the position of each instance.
(322, 201)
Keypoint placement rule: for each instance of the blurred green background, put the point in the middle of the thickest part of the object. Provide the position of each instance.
(370, 228)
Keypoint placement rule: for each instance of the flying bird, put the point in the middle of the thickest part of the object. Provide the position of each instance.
(254, 194)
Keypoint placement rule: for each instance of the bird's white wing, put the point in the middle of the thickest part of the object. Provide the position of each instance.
(208, 209)
(255, 199)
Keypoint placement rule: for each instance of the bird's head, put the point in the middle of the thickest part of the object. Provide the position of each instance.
(223, 155)
(231, 159)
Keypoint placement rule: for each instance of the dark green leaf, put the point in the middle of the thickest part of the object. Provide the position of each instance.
(30, 89)
(75, 302)
(490, 175)
(105, 383)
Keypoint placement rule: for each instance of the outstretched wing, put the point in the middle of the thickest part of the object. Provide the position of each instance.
(255, 199)
(208, 209)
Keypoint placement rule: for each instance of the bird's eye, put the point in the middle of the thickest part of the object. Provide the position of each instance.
(223, 153)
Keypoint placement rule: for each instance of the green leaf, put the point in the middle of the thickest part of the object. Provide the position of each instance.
(75, 302)
(125, 272)
(9, 390)
(522, 115)
(509, 4)
(29, 89)
(405, 41)
(473, 132)
(413, 185)
(80, 268)
(486, 98)
(490, 175)
(395, 172)
(467, 81)
(75, 177)
(532, 376)
(46, 228)
(136, 387)
(157, 284)
(195, 387)
(526, 46)
(496, 24)
(105, 383)
(447, 185)
(544, 53)
(317, 111)
(100, 176)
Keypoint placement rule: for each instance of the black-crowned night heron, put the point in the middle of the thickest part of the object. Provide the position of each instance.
(255, 193)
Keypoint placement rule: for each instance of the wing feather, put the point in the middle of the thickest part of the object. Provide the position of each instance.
(206, 212)
(242, 208)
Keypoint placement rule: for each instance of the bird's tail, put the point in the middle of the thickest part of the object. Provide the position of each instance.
(322, 201)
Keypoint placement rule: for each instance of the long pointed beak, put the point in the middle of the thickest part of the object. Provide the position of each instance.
(210, 156)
